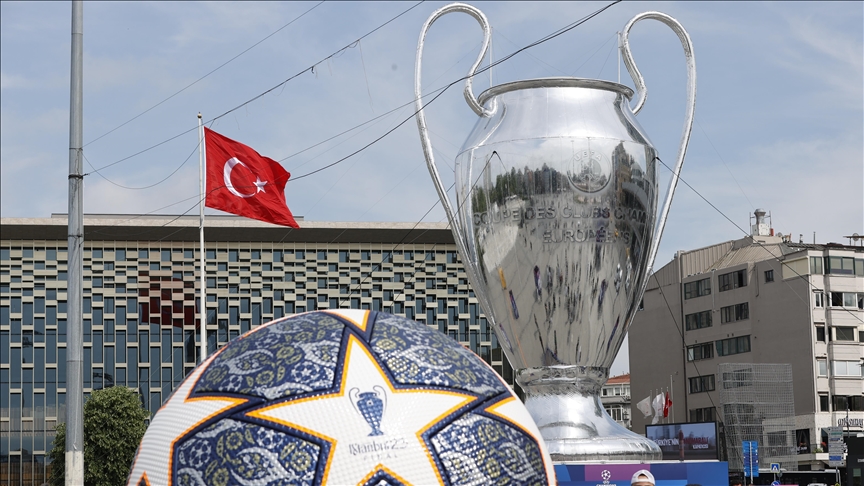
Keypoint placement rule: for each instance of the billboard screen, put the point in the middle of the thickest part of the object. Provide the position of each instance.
(685, 442)
(668, 474)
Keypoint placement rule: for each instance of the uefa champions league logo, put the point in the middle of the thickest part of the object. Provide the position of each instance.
(370, 406)
(606, 476)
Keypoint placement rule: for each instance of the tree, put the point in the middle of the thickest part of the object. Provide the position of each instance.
(58, 457)
(114, 423)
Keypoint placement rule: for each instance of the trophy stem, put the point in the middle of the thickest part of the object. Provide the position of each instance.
(564, 401)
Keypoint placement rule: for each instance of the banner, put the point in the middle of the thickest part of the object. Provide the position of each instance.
(669, 474)
(685, 442)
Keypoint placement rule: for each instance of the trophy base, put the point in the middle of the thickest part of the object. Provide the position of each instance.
(565, 403)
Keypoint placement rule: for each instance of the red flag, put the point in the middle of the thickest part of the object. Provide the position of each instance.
(666, 405)
(243, 182)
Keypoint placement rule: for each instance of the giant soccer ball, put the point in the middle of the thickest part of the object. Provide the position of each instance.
(343, 397)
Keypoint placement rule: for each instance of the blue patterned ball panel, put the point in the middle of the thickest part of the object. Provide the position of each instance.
(479, 450)
(283, 358)
(383, 479)
(430, 358)
(233, 452)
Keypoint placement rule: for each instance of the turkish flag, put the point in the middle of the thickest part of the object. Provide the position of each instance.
(243, 182)
(666, 405)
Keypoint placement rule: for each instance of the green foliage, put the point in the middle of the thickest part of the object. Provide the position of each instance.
(113, 428)
(58, 457)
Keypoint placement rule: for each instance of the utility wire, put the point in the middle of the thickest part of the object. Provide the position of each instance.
(202, 77)
(308, 69)
(549, 37)
(148, 186)
(759, 243)
(724, 164)
(546, 38)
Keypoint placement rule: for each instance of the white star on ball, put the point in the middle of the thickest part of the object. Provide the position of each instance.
(153, 460)
(382, 434)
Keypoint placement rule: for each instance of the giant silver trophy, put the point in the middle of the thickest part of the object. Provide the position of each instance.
(556, 222)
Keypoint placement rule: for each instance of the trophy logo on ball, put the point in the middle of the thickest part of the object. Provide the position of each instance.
(556, 221)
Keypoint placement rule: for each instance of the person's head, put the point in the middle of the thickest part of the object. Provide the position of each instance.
(735, 482)
(643, 477)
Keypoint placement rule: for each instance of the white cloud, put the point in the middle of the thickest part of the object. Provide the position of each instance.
(8, 81)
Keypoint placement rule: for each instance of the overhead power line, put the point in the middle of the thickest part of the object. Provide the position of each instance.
(241, 105)
(202, 77)
(546, 38)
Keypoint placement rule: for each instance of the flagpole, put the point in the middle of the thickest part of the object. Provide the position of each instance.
(202, 310)
(672, 398)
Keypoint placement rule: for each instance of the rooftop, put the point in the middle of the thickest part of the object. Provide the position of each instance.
(150, 227)
(617, 380)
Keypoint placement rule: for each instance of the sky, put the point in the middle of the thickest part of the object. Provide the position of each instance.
(779, 115)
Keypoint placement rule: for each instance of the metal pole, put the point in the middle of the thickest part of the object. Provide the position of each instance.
(672, 397)
(74, 456)
(201, 196)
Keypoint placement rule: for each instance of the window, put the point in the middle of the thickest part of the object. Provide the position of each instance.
(700, 351)
(820, 333)
(698, 320)
(733, 313)
(732, 280)
(703, 415)
(819, 298)
(823, 403)
(816, 265)
(822, 366)
(701, 384)
(697, 289)
(769, 275)
(839, 265)
(844, 333)
(851, 403)
(734, 345)
(846, 368)
(615, 413)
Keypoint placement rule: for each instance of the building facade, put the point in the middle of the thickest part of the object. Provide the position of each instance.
(615, 396)
(141, 275)
(760, 299)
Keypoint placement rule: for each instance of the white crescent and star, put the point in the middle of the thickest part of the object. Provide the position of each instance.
(226, 173)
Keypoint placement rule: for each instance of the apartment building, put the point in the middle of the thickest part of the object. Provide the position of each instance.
(615, 396)
(759, 299)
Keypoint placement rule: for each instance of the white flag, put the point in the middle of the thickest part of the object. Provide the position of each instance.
(644, 406)
(658, 408)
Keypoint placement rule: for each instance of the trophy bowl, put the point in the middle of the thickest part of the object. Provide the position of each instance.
(557, 223)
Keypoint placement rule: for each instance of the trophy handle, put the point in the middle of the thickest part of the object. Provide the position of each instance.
(642, 92)
(469, 97)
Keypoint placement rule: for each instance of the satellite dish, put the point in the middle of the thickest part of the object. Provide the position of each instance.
(855, 236)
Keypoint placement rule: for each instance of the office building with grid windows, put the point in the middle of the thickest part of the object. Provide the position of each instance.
(141, 312)
(762, 299)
